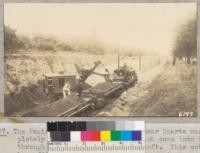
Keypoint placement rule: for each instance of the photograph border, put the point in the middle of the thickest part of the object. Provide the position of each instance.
(147, 119)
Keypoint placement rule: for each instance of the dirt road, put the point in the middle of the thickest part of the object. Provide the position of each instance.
(162, 91)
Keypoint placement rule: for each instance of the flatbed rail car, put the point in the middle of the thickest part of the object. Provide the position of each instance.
(98, 97)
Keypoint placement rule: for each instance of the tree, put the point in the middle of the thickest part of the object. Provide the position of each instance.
(186, 41)
(11, 41)
(43, 43)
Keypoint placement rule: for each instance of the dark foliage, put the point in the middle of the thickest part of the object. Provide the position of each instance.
(186, 41)
(11, 41)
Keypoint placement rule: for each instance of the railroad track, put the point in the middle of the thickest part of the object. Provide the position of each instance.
(75, 110)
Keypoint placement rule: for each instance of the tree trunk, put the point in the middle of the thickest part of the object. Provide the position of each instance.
(174, 61)
(188, 60)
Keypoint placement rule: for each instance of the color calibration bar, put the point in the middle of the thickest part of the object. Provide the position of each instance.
(95, 131)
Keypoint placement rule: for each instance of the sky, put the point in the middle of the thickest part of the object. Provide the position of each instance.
(148, 26)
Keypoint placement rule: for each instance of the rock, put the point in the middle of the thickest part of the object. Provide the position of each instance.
(104, 114)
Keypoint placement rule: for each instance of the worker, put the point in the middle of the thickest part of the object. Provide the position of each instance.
(125, 67)
(66, 89)
(79, 88)
(107, 75)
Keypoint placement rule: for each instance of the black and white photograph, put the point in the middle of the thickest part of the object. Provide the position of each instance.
(100, 59)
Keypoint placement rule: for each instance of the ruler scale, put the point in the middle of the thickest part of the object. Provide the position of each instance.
(95, 146)
(96, 136)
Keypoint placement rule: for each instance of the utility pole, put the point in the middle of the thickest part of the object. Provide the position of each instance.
(140, 62)
(118, 59)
